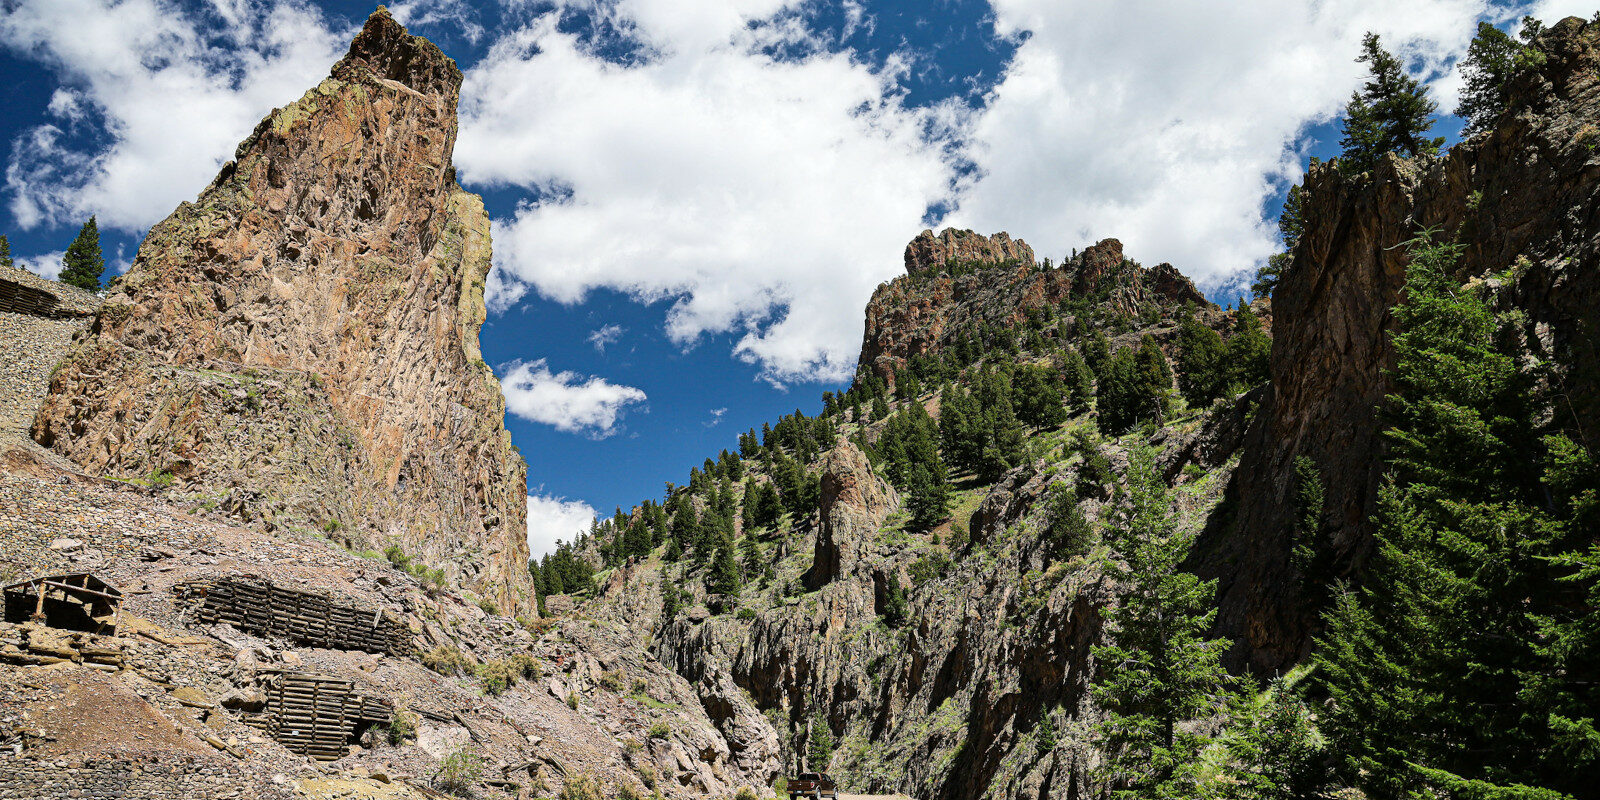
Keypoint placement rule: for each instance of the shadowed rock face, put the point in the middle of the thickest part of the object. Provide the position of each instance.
(302, 340)
(1524, 201)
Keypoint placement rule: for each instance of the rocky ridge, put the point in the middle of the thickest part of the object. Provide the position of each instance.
(302, 340)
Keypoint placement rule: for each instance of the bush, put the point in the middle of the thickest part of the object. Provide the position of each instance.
(488, 607)
(612, 681)
(746, 614)
(160, 479)
(746, 793)
(501, 674)
(402, 726)
(572, 700)
(581, 787)
(660, 731)
(1068, 532)
(459, 773)
(625, 791)
(447, 661)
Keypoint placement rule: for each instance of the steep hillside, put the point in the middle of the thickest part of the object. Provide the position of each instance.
(929, 656)
(300, 344)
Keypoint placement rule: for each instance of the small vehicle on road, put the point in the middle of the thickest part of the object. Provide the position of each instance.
(812, 785)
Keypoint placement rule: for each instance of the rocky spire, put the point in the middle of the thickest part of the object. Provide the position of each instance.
(302, 340)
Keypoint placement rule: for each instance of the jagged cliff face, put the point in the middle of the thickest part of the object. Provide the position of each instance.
(924, 310)
(1524, 201)
(301, 341)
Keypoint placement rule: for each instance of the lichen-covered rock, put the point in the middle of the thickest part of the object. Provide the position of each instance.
(305, 334)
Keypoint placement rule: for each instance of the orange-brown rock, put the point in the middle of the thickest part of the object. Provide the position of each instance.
(302, 340)
(997, 286)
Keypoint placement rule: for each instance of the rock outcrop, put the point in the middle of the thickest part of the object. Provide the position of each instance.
(926, 309)
(855, 502)
(929, 253)
(1524, 202)
(301, 342)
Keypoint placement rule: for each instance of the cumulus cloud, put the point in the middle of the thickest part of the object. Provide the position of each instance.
(605, 336)
(760, 195)
(1169, 125)
(47, 265)
(555, 519)
(566, 400)
(172, 92)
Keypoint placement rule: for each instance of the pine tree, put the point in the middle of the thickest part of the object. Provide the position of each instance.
(1249, 352)
(1202, 370)
(1039, 397)
(1154, 375)
(1158, 670)
(1096, 352)
(1275, 752)
(1117, 394)
(1452, 671)
(1493, 58)
(724, 577)
(5, 252)
(929, 496)
(82, 265)
(1079, 381)
(894, 602)
(1391, 113)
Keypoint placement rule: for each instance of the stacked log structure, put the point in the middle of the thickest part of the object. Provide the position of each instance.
(262, 608)
(316, 715)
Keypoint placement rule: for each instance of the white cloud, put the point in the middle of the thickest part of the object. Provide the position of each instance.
(764, 197)
(1168, 125)
(716, 417)
(47, 265)
(605, 336)
(172, 103)
(566, 400)
(555, 519)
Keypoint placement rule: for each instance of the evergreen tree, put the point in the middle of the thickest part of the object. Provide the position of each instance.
(819, 750)
(1492, 59)
(1069, 532)
(894, 602)
(1202, 365)
(1275, 752)
(5, 252)
(1454, 670)
(1079, 382)
(1096, 352)
(724, 577)
(1391, 114)
(82, 265)
(1039, 397)
(1291, 223)
(929, 496)
(1158, 670)
(1117, 394)
(1249, 355)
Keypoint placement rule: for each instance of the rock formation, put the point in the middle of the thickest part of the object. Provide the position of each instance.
(926, 309)
(928, 253)
(301, 342)
(1523, 199)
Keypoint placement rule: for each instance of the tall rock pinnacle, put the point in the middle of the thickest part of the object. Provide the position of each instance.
(301, 342)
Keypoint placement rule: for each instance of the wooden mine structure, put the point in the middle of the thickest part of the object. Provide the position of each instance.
(82, 602)
(316, 715)
(258, 606)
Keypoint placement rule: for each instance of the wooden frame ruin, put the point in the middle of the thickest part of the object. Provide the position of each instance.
(94, 596)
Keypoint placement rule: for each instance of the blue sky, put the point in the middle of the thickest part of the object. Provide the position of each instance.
(693, 200)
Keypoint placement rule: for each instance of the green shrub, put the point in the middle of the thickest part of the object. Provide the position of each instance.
(402, 726)
(500, 674)
(447, 661)
(160, 479)
(626, 791)
(489, 607)
(581, 787)
(660, 730)
(460, 771)
(746, 793)
(572, 700)
(640, 685)
(746, 614)
(612, 681)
